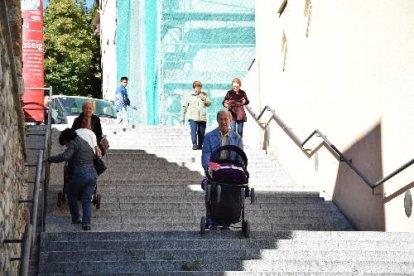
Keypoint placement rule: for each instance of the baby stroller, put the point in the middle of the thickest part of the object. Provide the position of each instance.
(61, 196)
(226, 186)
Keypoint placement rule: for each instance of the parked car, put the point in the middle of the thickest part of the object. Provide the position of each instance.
(66, 108)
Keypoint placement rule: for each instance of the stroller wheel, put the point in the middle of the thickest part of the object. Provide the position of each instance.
(97, 202)
(252, 196)
(246, 228)
(60, 199)
(203, 225)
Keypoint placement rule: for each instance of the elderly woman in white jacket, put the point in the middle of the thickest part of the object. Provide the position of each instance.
(194, 107)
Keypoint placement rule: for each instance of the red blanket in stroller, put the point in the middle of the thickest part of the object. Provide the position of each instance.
(227, 173)
(232, 170)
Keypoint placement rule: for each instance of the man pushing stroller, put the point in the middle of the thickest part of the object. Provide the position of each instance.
(225, 166)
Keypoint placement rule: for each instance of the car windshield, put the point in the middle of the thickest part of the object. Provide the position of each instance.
(73, 106)
(103, 108)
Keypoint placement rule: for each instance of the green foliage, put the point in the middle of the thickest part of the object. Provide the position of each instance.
(72, 54)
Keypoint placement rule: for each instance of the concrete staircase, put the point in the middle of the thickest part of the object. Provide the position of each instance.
(150, 216)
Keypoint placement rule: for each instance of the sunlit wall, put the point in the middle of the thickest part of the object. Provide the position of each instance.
(345, 68)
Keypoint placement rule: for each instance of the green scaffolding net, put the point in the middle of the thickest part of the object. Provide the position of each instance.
(181, 41)
(209, 41)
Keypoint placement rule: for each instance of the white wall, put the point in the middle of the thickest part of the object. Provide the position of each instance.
(108, 49)
(348, 72)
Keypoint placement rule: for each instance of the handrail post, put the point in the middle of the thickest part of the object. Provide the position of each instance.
(26, 250)
(266, 138)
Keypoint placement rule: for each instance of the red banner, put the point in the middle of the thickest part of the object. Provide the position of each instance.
(33, 60)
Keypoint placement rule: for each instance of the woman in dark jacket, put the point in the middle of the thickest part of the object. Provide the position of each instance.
(88, 120)
(235, 100)
(84, 176)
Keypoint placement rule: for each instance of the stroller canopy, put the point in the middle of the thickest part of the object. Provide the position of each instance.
(232, 168)
(235, 155)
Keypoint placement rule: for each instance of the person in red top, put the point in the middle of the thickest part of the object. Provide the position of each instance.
(235, 100)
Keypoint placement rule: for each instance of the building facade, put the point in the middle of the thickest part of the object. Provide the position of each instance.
(164, 46)
(345, 68)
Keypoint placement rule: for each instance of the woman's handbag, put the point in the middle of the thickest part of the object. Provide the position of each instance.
(99, 164)
(104, 145)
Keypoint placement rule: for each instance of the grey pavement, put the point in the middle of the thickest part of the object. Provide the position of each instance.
(152, 203)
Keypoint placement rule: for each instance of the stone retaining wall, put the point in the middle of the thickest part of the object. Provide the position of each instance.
(13, 216)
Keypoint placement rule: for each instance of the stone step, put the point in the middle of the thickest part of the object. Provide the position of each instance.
(213, 244)
(175, 190)
(189, 196)
(164, 175)
(137, 254)
(157, 152)
(139, 174)
(170, 148)
(201, 206)
(189, 218)
(178, 154)
(178, 158)
(136, 266)
(334, 266)
(217, 272)
(192, 186)
(64, 225)
(243, 254)
(183, 164)
(270, 214)
(218, 242)
(304, 236)
(270, 177)
(228, 264)
(333, 255)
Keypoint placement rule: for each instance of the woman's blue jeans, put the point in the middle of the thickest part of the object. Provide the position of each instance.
(83, 182)
(237, 126)
(198, 129)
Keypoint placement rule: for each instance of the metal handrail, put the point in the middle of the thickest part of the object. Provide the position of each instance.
(36, 188)
(29, 235)
(331, 147)
(47, 147)
(30, 229)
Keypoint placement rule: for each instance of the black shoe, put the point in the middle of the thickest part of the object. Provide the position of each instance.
(195, 147)
(77, 221)
(86, 227)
